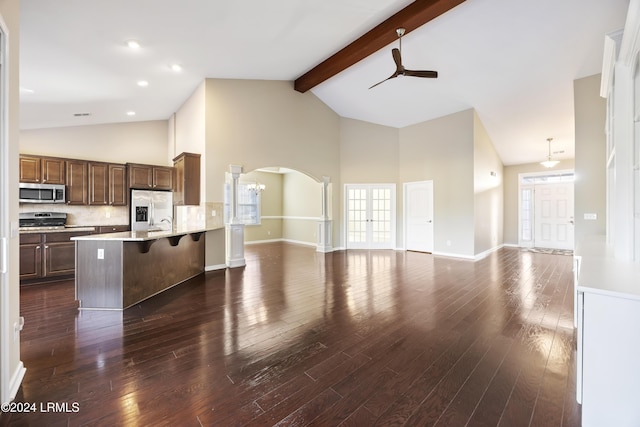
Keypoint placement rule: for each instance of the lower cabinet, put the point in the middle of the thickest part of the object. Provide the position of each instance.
(47, 255)
(608, 372)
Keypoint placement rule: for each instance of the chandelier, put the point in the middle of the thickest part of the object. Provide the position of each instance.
(256, 187)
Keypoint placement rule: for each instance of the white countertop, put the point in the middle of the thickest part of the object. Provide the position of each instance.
(602, 273)
(141, 236)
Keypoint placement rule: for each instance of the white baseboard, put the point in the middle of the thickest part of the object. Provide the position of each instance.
(487, 252)
(258, 242)
(299, 242)
(16, 380)
(215, 267)
(450, 255)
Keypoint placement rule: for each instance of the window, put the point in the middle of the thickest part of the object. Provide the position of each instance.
(526, 214)
(248, 204)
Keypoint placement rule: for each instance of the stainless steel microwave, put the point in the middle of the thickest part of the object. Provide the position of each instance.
(41, 193)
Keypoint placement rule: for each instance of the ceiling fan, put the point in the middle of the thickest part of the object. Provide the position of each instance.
(400, 70)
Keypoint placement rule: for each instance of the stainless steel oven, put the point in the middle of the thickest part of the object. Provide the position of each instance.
(41, 193)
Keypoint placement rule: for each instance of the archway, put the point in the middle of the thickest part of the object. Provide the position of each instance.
(288, 205)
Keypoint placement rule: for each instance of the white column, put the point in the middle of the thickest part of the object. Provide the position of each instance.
(235, 229)
(325, 225)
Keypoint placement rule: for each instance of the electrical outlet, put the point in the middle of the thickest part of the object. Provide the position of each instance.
(214, 213)
(108, 213)
(101, 253)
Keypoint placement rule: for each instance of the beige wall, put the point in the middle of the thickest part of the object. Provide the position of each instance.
(271, 207)
(590, 163)
(488, 188)
(301, 208)
(511, 174)
(368, 152)
(291, 207)
(187, 131)
(441, 150)
(266, 123)
(136, 142)
(11, 366)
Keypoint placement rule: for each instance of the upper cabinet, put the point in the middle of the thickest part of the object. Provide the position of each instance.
(187, 179)
(77, 182)
(117, 185)
(150, 177)
(107, 184)
(45, 170)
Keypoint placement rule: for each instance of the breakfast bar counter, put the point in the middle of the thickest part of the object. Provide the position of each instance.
(117, 270)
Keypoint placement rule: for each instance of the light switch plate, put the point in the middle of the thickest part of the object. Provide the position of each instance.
(590, 216)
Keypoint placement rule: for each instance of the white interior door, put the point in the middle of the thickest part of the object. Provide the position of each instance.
(554, 216)
(370, 214)
(418, 213)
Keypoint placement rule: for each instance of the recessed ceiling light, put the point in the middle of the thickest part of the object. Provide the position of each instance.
(133, 44)
(143, 83)
(81, 114)
(176, 67)
(131, 113)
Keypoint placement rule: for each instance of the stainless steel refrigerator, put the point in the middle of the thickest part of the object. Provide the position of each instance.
(151, 210)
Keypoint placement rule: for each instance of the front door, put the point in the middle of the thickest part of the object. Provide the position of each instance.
(370, 215)
(419, 216)
(554, 216)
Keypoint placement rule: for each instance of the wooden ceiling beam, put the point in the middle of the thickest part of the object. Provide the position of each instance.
(411, 17)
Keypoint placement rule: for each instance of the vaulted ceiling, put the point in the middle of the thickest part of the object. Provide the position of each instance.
(514, 61)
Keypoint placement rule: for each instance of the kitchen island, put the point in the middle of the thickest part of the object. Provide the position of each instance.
(117, 270)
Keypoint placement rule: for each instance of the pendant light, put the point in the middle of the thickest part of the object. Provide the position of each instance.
(549, 163)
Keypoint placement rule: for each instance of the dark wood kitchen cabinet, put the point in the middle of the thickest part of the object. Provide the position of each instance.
(117, 184)
(77, 181)
(186, 167)
(150, 177)
(107, 184)
(45, 256)
(111, 229)
(43, 170)
(30, 169)
(30, 256)
(53, 171)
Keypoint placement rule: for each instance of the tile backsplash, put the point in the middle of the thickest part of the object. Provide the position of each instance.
(84, 215)
(209, 214)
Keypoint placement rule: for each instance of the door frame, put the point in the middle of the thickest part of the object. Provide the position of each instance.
(405, 200)
(521, 176)
(7, 391)
(392, 186)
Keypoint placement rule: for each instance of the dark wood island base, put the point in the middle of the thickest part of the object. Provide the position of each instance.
(118, 270)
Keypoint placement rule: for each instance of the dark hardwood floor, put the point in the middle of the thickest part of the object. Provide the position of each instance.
(353, 338)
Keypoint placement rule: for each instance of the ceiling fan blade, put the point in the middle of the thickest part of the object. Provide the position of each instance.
(397, 58)
(428, 74)
(394, 75)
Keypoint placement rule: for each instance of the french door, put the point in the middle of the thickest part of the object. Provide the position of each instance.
(370, 216)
